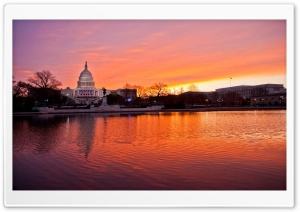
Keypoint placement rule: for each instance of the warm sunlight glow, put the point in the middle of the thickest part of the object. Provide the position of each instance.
(142, 52)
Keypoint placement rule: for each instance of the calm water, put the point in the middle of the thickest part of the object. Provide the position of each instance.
(244, 150)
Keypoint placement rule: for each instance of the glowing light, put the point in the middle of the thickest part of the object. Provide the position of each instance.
(209, 54)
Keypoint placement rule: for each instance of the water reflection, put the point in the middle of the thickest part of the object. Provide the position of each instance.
(85, 134)
(33, 131)
(185, 151)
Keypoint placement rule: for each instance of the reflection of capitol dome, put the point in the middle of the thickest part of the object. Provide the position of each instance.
(86, 78)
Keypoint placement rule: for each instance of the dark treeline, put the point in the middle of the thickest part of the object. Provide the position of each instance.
(42, 90)
(185, 100)
(26, 96)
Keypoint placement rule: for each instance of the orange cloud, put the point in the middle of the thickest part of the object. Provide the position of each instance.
(145, 52)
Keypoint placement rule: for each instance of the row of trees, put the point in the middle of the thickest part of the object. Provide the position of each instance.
(158, 89)
(179, 98)
(42, 89)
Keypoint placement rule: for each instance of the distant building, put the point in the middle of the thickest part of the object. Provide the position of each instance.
(85, 93)
(246, 91)
(251, 95)
(127, 94)
(67, 92)
(274, 99)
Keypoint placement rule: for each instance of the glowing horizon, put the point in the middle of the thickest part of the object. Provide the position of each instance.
(142, 52)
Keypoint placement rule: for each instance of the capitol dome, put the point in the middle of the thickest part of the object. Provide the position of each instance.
(86, 78)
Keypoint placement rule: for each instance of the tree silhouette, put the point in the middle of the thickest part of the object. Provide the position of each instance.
(128, 86)
(160, 89)
(140, 90)
(20, 89)
(193, 88)
(44, 79)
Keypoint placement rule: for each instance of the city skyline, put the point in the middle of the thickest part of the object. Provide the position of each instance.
(209, 54)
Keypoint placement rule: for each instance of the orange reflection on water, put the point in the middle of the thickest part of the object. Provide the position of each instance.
(196, 145)
(179, 151)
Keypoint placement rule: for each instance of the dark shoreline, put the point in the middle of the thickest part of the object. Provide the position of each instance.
(207, 109)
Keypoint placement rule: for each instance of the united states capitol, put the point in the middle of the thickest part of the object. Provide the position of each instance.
(87, 93)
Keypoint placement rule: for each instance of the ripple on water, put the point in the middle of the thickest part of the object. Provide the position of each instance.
(198, 151)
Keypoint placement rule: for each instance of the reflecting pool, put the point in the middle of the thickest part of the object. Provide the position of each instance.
(236, 150)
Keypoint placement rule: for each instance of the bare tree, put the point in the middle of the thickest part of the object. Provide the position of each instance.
(193, 88)
(128, 86)
(149, 92)
(143, 92)
(181, 90)
(44, 79)
(173, 91)
(160, 89)
(140, 90)
(20, 88)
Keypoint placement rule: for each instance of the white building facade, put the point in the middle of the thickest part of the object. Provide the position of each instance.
(85, 93)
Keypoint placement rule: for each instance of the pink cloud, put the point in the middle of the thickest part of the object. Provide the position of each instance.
(143, 52)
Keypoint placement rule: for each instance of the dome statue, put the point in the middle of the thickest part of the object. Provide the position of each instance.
(85, 78)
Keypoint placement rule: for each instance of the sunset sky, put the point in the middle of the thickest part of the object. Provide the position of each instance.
(142, 52)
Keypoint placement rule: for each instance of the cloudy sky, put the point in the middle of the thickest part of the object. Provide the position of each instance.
(141, 52)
